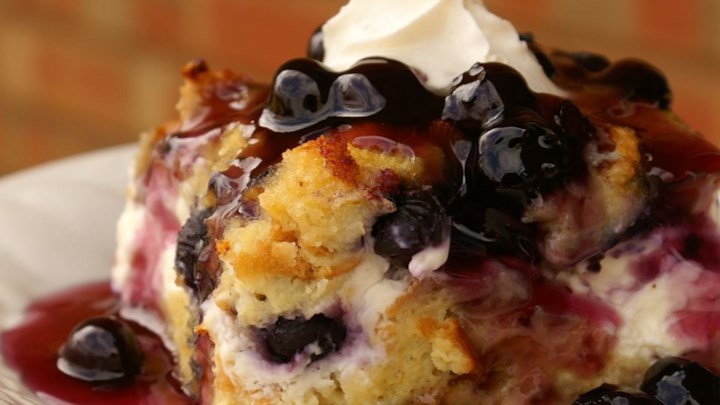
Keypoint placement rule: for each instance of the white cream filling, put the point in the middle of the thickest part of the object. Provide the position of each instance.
(129, 224)
(163, 280)
(648, 316)
(365, 296)
(645, 309)
(429, 259)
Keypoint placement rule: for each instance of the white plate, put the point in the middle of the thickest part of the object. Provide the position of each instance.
(57, 229)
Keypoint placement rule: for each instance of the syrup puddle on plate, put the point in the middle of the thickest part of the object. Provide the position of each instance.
(32, 348)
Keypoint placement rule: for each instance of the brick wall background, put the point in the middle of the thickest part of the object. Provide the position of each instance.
(77, 75)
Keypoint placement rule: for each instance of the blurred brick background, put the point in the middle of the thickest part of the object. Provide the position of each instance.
(77, 75)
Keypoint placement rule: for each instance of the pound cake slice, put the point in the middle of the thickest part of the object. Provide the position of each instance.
(383, 224)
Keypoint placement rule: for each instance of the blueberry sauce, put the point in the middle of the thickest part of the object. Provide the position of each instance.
(503, 148)
(531, 143)
(503, 145)
(33, 348)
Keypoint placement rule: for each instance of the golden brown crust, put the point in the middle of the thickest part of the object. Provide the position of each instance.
(316, 209)
(338, 159)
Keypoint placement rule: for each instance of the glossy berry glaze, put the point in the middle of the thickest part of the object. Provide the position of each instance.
(502, 147)
(32, 349)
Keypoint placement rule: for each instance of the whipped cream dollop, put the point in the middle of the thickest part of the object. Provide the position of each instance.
(440, 38)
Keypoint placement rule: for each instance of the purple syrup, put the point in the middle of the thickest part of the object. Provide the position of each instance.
(32, 350)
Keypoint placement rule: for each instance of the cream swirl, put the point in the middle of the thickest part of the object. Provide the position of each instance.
(440, 38)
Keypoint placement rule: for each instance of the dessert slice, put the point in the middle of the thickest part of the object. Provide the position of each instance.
(371, 233)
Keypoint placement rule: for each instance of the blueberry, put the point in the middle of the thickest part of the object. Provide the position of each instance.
(418, 222)
(674, 380)
(574, 123)
(519, 150)
(288, 337)
(296, 95)
(299, 92)
(474, 100)
(316, 45)
(527, 158)
(101, 349)
(614, 395)
(191, 241)
(305, 94)
(353, 95)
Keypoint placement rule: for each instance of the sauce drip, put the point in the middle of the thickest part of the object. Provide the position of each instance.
(32, 350)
